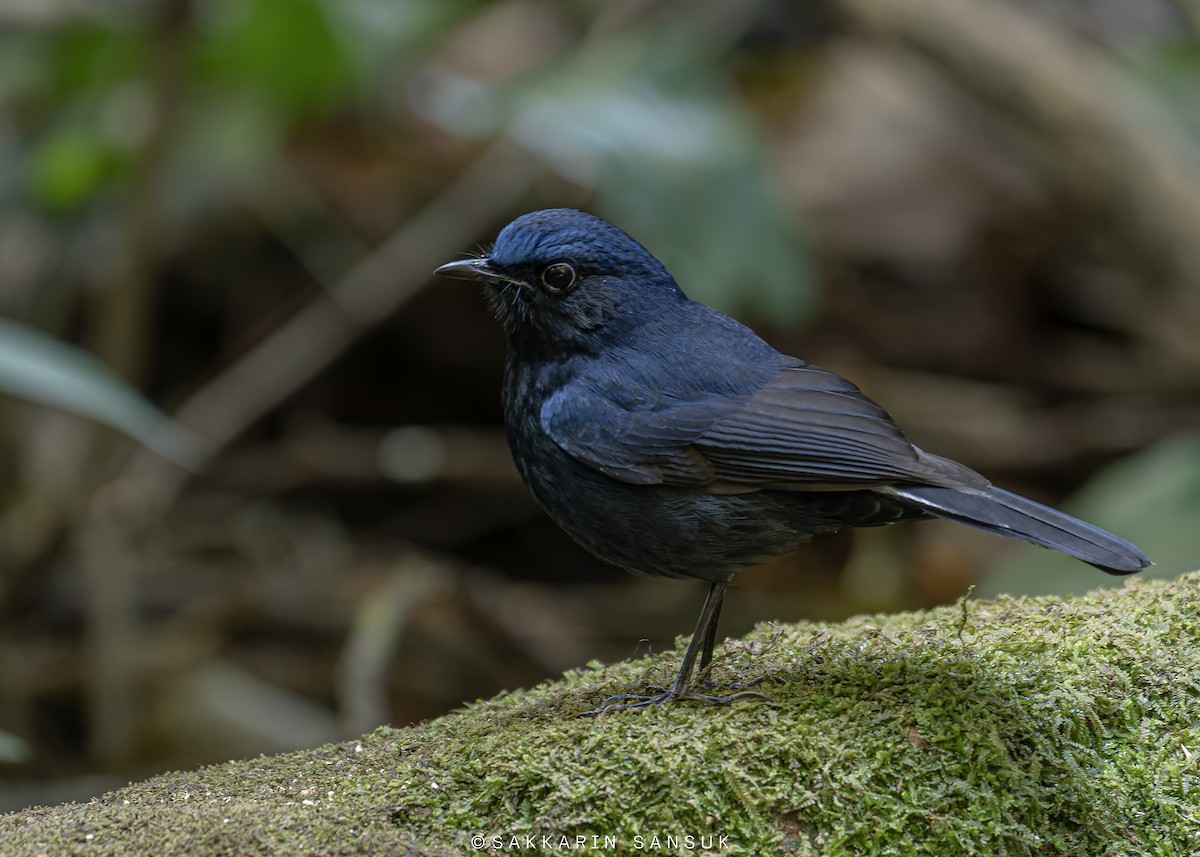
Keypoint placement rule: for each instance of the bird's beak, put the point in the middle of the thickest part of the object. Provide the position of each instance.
(471, 269)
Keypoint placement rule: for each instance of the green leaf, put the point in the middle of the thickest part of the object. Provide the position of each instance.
(677, 165)
(87, 58)
(1171, 69)
(648, 122)
(69, 167)
(385, 33)
(40, 369)
(283, 50)
(760, 262)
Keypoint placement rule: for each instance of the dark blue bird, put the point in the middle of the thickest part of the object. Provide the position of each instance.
(668, 439)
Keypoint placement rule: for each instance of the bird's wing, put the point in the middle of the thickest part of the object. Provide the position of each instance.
(648, 442)
(811, 428)
(807, 429)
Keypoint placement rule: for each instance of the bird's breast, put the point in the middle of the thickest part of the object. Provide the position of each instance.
(654, 529)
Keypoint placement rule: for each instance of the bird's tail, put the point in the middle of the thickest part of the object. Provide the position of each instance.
(1007, 514)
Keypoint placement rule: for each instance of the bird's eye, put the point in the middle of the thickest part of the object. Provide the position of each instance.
(559, 277)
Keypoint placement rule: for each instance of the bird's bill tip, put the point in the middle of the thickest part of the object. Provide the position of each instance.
(467, 269)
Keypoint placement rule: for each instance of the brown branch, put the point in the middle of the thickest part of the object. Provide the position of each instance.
(123, 310)
(121, 338)
(368, 294)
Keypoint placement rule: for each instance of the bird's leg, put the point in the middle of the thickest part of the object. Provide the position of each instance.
(706, 656)
(710, 633)
(703, 639)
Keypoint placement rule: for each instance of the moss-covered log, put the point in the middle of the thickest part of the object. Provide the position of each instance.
(1002, 727)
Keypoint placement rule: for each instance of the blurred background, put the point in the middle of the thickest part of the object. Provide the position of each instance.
(254, 491)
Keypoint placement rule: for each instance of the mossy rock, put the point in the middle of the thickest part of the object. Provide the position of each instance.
(1005, 727)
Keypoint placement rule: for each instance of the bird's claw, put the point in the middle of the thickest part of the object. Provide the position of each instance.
(710, 683)
(640, 702)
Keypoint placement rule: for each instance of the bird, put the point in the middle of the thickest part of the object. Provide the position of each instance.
(668, 439)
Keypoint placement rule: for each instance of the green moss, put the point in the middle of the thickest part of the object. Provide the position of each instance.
(1012, 726)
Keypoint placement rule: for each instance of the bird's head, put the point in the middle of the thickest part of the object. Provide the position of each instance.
(557, 278)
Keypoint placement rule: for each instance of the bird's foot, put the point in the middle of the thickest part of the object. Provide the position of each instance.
(711, 683)
(640, 702)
